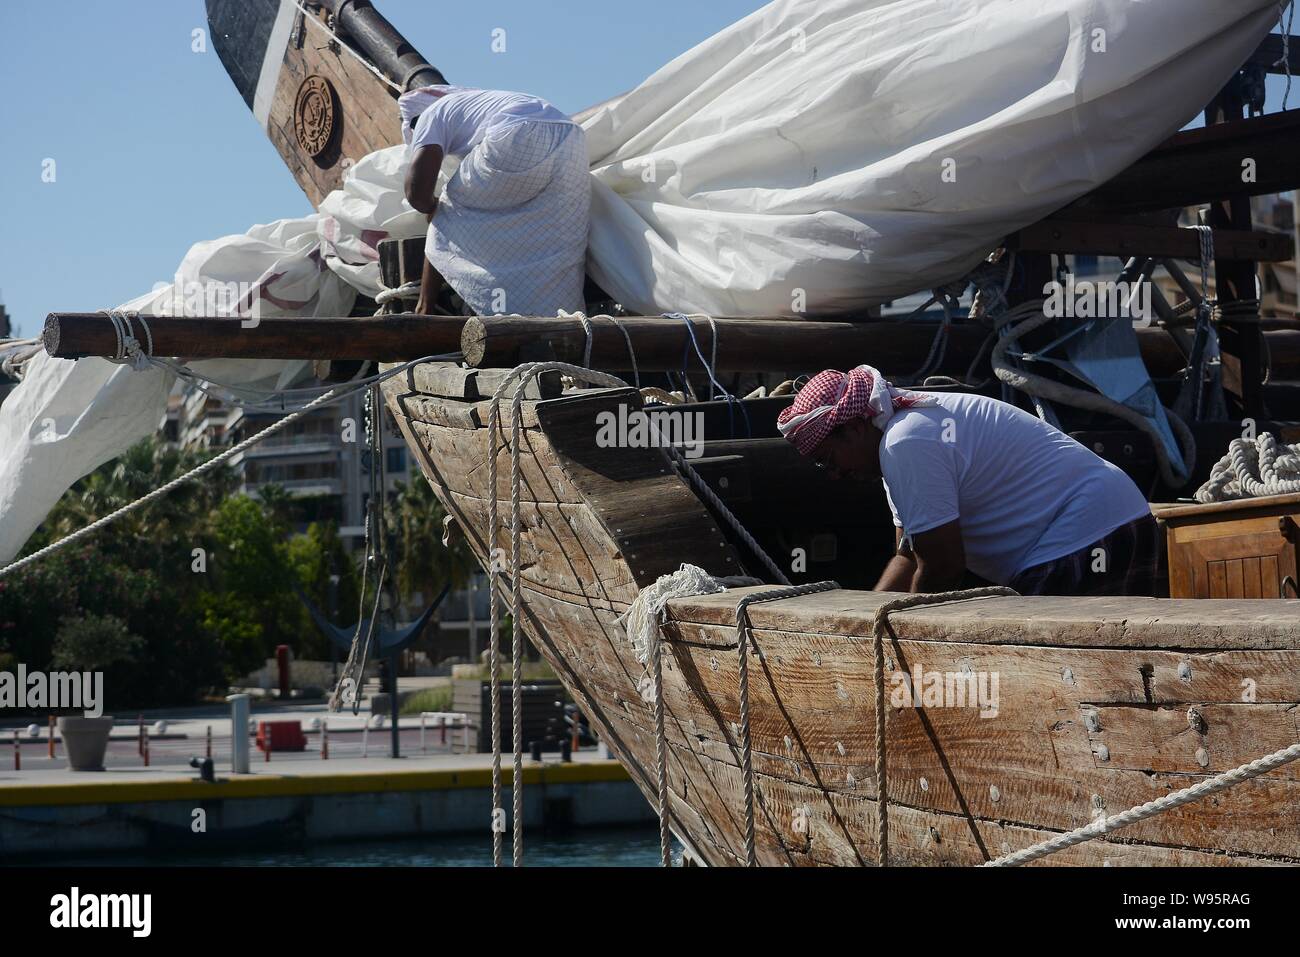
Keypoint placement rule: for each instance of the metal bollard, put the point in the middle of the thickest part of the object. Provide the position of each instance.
(145, 745)
(266, 740)
(239, 706)
(51, 735)
(442, 724)
(325, 740)
(209, 748)
(423, 748)
(18, 759)
(365, 740)
(566, 750)
(536, 748)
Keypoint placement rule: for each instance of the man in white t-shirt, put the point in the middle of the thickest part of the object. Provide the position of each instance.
(977, 484)
(509, 231)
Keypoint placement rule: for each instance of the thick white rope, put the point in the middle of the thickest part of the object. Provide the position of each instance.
(407, 290)
(642, 622)
(162, 490)
(1105, 825)
(1252, 469)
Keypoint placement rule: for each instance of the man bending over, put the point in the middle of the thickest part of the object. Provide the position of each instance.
(978, 484)
(509, 233)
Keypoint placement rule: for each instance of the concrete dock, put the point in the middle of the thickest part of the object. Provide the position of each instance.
(45, 813)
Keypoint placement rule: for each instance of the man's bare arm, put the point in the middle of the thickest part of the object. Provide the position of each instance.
(901, 570)
(422, 179)
(940, 558)
(429, 283)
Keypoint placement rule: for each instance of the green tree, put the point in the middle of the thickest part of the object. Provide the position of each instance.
(414, 517)
(315, 557)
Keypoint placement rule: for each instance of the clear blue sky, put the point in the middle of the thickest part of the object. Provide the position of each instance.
(155, 150)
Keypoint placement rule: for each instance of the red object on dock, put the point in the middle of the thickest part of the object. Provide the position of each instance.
(280, 736)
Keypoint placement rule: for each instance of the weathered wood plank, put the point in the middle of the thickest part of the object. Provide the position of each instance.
(1117, 622)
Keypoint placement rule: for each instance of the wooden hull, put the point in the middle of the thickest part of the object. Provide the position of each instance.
(1092, 709)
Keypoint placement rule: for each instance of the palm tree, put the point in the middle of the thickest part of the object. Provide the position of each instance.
(144, 467)
(413, 517)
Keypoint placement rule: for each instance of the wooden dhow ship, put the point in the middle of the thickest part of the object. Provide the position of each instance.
(1101, 704)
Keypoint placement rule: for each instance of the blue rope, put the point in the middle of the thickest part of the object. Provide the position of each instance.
(713, 381)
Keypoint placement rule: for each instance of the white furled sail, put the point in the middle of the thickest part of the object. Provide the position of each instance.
(821, 156)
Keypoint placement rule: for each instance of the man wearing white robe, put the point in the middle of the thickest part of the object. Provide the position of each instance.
(509, 232)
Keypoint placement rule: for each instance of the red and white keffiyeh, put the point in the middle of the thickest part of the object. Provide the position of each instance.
(832, 398)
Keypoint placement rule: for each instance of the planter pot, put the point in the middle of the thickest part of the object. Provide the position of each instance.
(85, 740)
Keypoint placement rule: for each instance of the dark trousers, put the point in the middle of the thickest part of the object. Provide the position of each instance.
(1128, 561)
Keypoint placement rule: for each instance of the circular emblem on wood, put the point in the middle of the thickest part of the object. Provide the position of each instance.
(313, 114)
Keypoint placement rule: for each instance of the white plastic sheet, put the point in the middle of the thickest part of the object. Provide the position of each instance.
(792, 164)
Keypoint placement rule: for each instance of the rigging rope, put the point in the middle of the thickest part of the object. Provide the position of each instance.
(642, 622)
(878, 627)
(631, 352)
(523, 374)
(743, 637)
(1285, 61)
(162, 490)
(1104, 825)
(1027, 317)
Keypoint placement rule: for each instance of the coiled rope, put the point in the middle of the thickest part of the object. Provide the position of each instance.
(1251, 469)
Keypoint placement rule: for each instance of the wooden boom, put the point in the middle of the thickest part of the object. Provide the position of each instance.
(73, 335)
(746, 345)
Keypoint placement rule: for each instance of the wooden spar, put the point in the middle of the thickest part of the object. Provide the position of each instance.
(497, 341)
(1137, 239)
(782, 344)
(744, 344)
(1201, 166)
(74, 335)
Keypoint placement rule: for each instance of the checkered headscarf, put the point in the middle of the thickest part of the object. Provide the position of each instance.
(832, 398)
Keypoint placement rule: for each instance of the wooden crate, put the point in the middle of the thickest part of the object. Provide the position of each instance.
(1244, 549)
